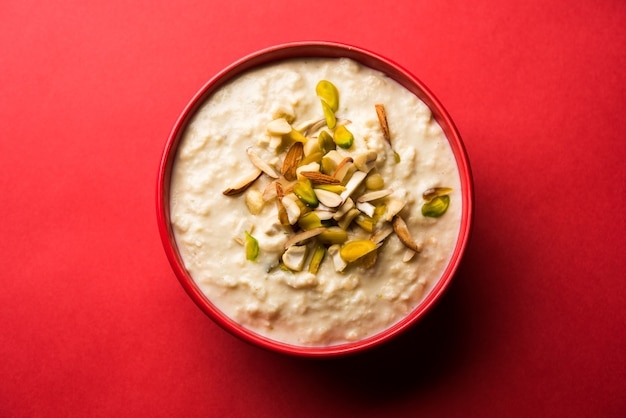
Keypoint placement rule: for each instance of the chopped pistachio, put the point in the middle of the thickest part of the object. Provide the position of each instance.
(343, 137)
(335, 188)
(252, 247)
(297, 136)
(333, 235)
(314, 157)
(327, 91)
(365, 222)
(317, 258)
(305, 193)
(436, 207)
(329, 115)
(309, 220)
(325, 142)
(353, 250)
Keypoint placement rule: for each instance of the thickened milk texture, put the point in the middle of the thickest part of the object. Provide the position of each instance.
(335, 305)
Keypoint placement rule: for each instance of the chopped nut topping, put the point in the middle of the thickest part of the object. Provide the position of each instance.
(242, 184)
(322, 203)
(402, 231)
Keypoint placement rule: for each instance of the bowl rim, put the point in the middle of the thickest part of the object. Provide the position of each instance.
(310, 49)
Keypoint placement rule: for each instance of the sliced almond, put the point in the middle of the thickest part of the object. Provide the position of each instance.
(402, 231)
(378, 194)
(328, 199)
(343, 209)
(408, 255)
(347, 219)
(366, 208)
(343, 167)
(382, 233)
(243, 184)
(394, 206)
(303, 236)
(353, 184)
(319, 178)
(382, 120)
(291, 161)
(260, 164)
(315, 126)
(279, 191)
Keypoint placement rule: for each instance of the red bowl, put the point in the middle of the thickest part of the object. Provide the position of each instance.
(325, 50)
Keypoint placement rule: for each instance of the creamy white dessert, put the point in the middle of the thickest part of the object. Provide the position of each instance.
(309, 240)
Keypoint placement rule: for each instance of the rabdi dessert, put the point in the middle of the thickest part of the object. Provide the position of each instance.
(315, 201)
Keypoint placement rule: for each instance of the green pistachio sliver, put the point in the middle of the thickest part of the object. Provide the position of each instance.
(436, 207)
(305, 193)
(314, 157)
(327, 91)
(333, 235)
(433, 192)
(335, 188)
(329, 115)
(365, 222)
(297, 136)
(317, 258)
(343, 137)
(325, 141)
(353, 250)
(252, 247)
(309, 220)
(396, 157)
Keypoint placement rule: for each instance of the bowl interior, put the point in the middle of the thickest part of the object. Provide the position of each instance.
(303, 50)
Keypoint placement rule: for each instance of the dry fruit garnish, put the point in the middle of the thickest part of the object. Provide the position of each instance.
(329, 200)
(436, 207)
(252, 247)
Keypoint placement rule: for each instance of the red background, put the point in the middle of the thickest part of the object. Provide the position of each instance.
(93, 321)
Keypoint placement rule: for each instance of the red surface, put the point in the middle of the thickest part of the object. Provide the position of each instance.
(93, 321)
